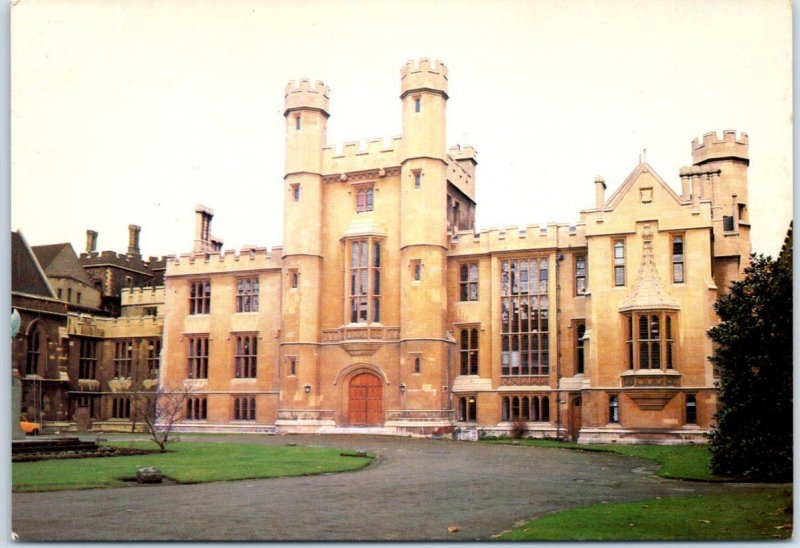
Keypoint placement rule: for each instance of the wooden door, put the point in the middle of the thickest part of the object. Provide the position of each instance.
(575, 418)
(365, 401)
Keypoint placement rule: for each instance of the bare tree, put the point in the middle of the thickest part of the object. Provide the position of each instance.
(159, 408)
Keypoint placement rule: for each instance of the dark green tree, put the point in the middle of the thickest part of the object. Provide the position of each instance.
(752, 438)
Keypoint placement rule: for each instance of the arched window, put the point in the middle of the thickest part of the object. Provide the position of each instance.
(613, 409)
(467, 409)
(535, 410)
(691, 409)
(525, 413)
(545, 409)
(33, 349)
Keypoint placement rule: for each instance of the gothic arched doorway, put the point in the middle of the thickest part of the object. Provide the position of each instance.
(365, 400)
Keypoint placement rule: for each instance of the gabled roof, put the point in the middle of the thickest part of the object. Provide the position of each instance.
(629, 181)
(27, 276)
(61, 261)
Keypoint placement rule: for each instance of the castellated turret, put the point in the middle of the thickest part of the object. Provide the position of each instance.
(714, 149)
(304, 95)
(719, 174)
(423, 91)
(423, 76)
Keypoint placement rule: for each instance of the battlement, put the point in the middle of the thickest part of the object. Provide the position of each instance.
(422, 75)
(93, 326)
(518, 238)
(463, 152)
(142, 295)
(303, 95)
(131, 326)
(713, 148)
(134, 261)
(257, 258)
(361, 155)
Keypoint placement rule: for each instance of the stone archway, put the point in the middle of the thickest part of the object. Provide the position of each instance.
(365, 400)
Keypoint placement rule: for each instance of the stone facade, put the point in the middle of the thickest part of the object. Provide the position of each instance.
(386, 310)
(86, 358)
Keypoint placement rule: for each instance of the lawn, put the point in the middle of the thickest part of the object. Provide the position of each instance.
(689, 462)
(184, 462)
(763, 513)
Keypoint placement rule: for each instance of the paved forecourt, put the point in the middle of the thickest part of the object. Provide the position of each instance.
(417, 489)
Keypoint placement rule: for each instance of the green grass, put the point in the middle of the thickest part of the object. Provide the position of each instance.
(184, 462)
(759, 514)
(690, 462)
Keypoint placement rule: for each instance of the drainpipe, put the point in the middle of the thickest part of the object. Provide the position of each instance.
(559, 258)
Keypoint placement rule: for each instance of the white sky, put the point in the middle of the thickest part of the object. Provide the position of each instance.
(134, 111)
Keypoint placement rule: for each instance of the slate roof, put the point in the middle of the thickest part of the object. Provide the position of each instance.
(27, 276)
(61, 261)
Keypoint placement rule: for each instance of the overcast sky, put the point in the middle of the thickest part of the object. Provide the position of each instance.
(134, 111)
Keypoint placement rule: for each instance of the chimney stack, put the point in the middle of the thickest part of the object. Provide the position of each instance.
(202, 229)
(599, 192)
(91, 241)
(133, 239)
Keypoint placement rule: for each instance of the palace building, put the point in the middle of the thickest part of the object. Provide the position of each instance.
(387, 311)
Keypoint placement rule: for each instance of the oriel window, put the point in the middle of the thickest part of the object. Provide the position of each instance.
(364, 280)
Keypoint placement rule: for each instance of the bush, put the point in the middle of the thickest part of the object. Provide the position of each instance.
(518, 429)
(752, 438)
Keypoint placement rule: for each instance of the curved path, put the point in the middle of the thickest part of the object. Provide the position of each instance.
(416, 491)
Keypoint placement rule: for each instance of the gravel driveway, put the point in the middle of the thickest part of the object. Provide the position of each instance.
(415, 491)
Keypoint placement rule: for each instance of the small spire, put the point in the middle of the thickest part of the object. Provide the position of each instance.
(648, 293)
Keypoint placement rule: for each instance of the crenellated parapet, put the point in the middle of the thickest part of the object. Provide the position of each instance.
(423, 75)
(132, 261)
(305, 95)
(131, 326)
(142, 295)
(86, 325)
(714, 148)
(514, 238)
(255, 258)
(361, 155)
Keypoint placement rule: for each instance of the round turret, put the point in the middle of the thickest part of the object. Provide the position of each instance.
(713, 149)
(423, 76)
(304, 96)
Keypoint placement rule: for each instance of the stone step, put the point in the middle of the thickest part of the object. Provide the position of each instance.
(359, 430)
(51, 445)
